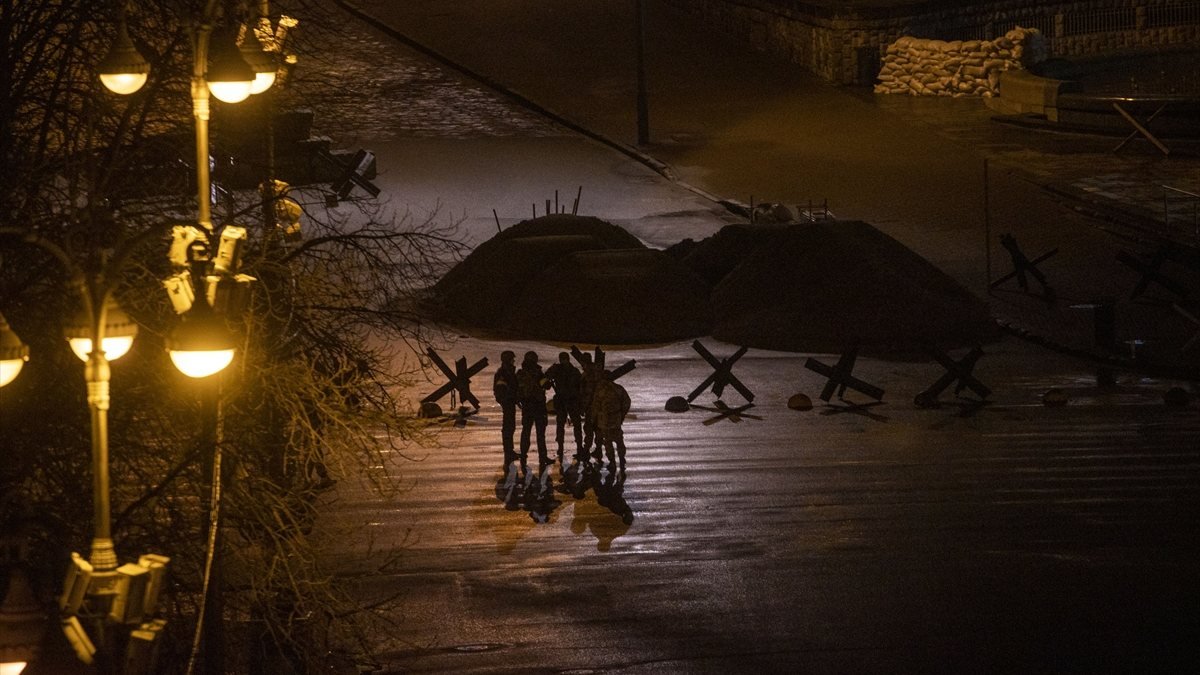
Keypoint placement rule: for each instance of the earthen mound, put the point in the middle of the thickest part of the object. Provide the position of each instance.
(832, 285)
(573, 278)
(612, 296)
(715, 257)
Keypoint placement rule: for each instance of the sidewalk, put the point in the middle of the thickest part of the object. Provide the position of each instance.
(744, 128)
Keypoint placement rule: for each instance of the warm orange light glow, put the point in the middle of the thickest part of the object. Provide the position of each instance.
(123, 83)
(12, 667)
(9, 369)
(201, 364)
(114, 347)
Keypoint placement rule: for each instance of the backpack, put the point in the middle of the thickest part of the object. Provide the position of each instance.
(530, 385)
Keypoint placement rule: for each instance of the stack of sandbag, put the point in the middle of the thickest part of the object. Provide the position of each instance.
(920, 67)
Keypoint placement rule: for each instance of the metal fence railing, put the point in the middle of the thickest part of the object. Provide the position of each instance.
(1099, 21)
(990, 31)
(1173, 14)
(1157, 15)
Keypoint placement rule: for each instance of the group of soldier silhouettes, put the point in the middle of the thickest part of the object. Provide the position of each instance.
(593, 404)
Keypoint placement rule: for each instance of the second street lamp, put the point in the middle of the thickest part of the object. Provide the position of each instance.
(13, 353)
(229, 77)
(201, 345)
(118, 332)
(123, 70)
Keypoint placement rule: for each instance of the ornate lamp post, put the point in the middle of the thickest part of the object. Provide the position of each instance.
(102, 332)
(204, 259)
(201, 346)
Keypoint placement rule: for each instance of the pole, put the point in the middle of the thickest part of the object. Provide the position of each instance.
(97, 374)
(200, 112)
(643, 116)
(103, 557)
(208, 640)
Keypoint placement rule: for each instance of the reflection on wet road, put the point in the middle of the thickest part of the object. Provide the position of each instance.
(854, 537)
(1013, 533)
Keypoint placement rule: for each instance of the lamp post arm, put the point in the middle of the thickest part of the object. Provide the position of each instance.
(87, 292)
(46, 245)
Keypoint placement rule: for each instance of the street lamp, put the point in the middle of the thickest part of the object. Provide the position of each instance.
(229, 77)
(119, 331)
(201, 345)
(13, 353)
(123, 70)
(205, 260)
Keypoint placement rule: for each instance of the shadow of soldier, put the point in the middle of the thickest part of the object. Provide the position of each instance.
(507, 531)
(608, 516)
(534, 494)
(540, 501)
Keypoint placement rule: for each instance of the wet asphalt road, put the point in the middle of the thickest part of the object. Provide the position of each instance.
(1012, 538)
(1015, 538)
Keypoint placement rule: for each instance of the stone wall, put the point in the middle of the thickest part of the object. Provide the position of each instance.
(844, 44)
(957, 68)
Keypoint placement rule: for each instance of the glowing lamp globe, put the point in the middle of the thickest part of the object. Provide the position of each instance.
(201, 345)
(229, 76)
(119, 331)
(123, 83)
(123, 70)
(10, 368)
(13, 353)
(201, 364)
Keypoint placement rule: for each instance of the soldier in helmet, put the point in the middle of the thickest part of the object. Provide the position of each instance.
(567, 389)
(591, 375)
(610, 404)
(531, 386)
(504, 388)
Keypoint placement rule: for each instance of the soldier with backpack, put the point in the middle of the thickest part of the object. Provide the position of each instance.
(531, 387)
(610, 404)
(568, 384)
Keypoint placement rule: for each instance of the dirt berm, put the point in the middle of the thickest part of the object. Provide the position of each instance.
(573, 279)
(813, 287)
(830, 285)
